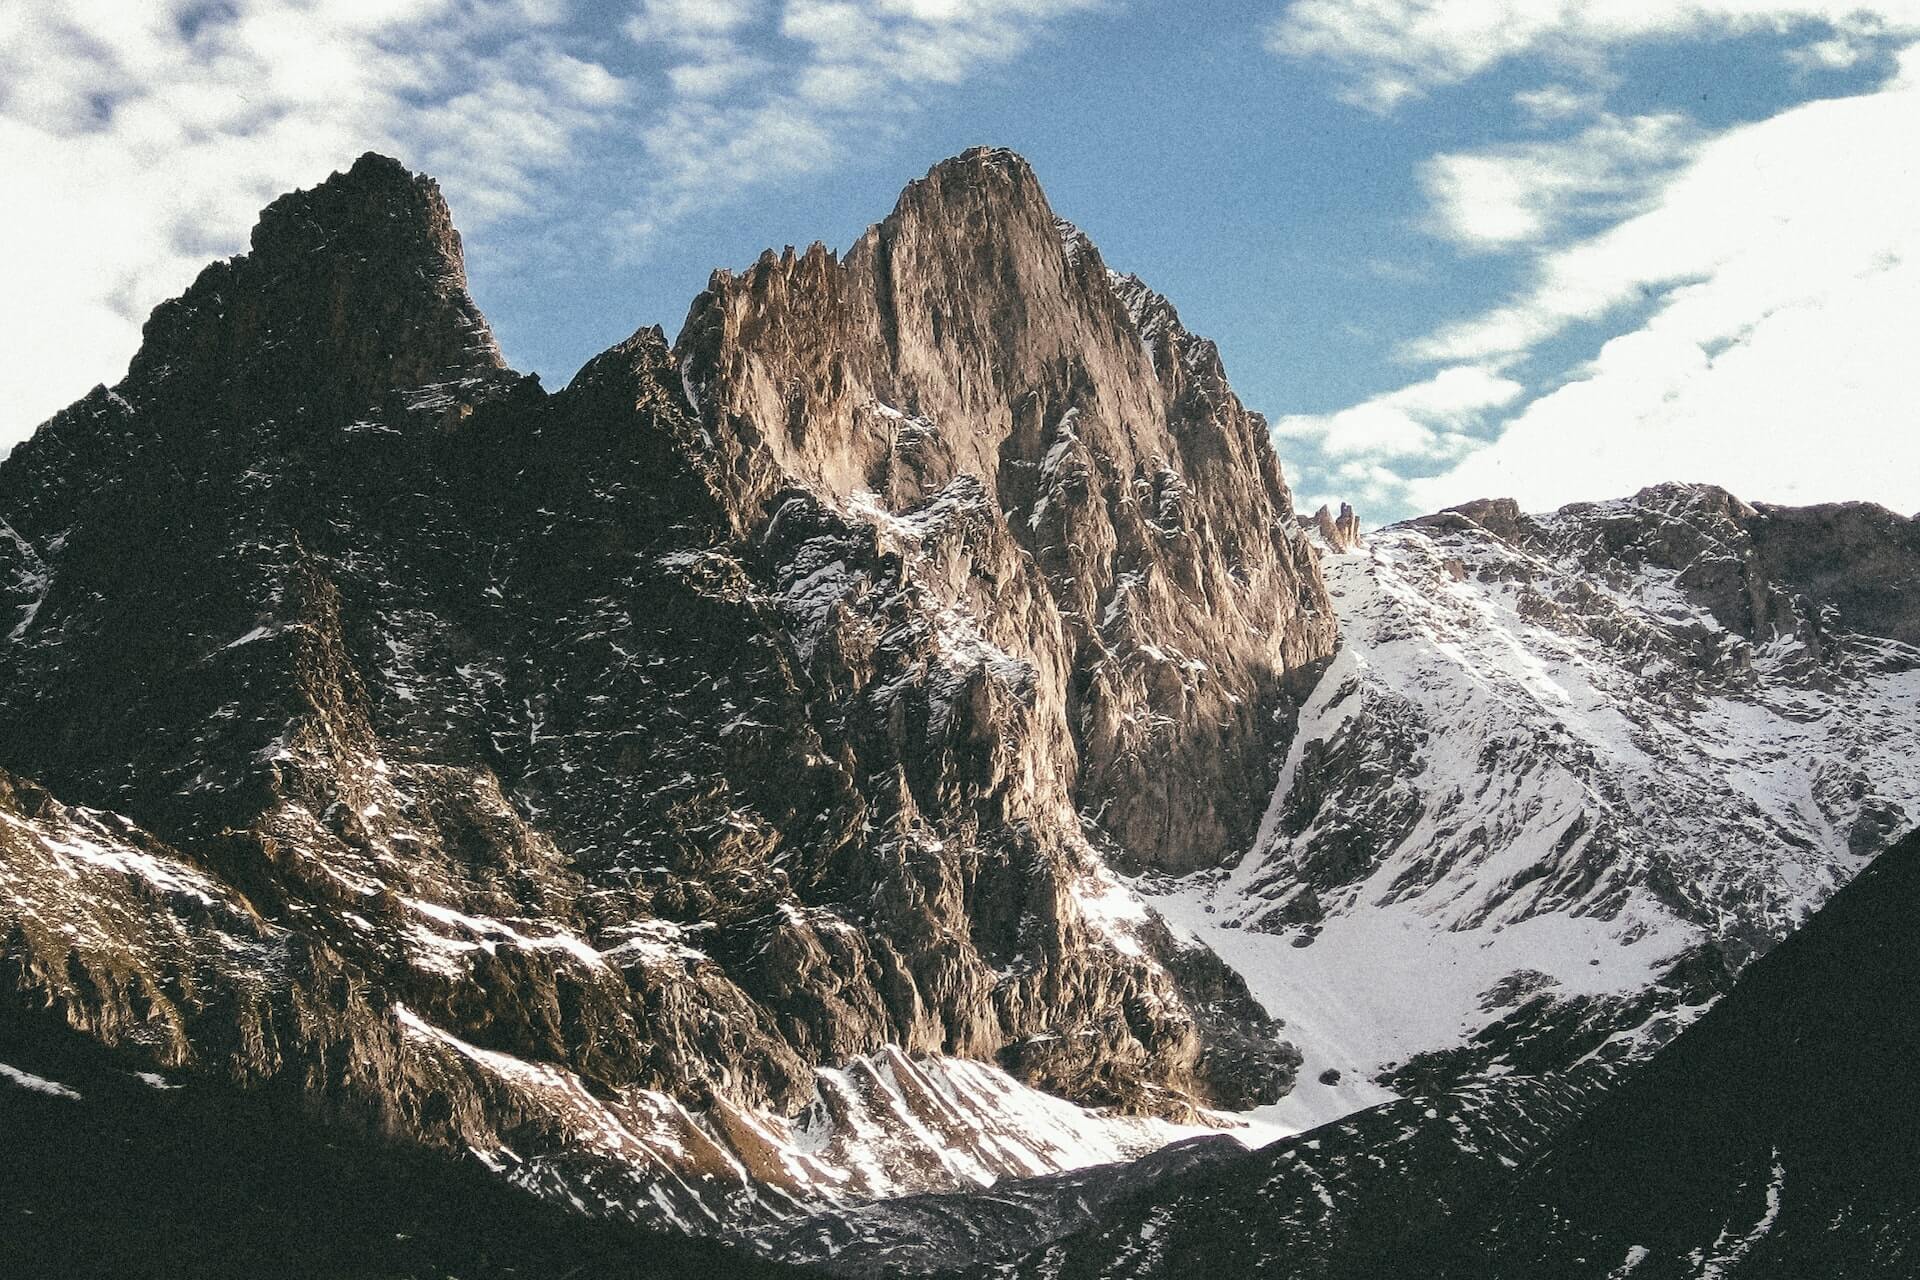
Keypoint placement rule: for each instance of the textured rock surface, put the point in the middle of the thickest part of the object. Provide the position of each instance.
(110, 1173)
(655, 784)
(1134, 545)
(1568, 773)
(985, 1229)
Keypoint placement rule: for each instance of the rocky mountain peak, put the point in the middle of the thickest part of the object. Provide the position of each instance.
(972, 339)
(704, 794)
(978, 176)
(1500, 517)
(657, 752)
(375, 205)
(960, 309)
(352, 292)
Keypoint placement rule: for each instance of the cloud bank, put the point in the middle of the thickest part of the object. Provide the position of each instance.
(1753, 293)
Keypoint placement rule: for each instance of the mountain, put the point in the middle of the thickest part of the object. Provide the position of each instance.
(1567, 774)
(855, 778)
(693, 794)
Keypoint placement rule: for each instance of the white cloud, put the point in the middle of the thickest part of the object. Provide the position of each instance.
(1552, 103)
(1427, 420)
(1767, 213)
(706, 34)
(689, 21)
(1836, 54)
(1762, 284)
(1393, 50)
(1783, 269)
(1816, 403)
(1523, 193)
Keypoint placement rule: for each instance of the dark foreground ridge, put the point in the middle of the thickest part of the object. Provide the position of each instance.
(129, 1178)
(1775, 1139)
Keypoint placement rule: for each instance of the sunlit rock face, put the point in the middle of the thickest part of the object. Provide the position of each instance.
(692, 791)
(1132, 541)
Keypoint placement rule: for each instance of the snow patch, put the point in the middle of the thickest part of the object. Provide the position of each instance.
(36, 1084)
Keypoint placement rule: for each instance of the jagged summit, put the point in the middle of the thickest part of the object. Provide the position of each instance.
(352, 290)
(992, 173)
(1339, 533)
(966, 337)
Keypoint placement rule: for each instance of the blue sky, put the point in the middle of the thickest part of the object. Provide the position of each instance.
(1452, 249)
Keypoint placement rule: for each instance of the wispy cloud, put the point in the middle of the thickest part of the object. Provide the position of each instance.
(760, 92)
(1366, 453)
(1431, 419)
(1551, 103)
(1522, 194)
(1395, 50)
(1759, 216)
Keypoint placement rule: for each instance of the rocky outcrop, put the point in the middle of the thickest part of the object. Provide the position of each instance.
(987, 1230)
(582, 778)
(1353, 1200)
(1339, 533)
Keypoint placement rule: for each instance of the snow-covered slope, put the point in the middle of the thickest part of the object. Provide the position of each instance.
(1556, 757)
(1773, 1140)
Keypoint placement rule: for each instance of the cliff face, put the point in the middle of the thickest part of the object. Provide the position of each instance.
(692, 789)
(1137, 544)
